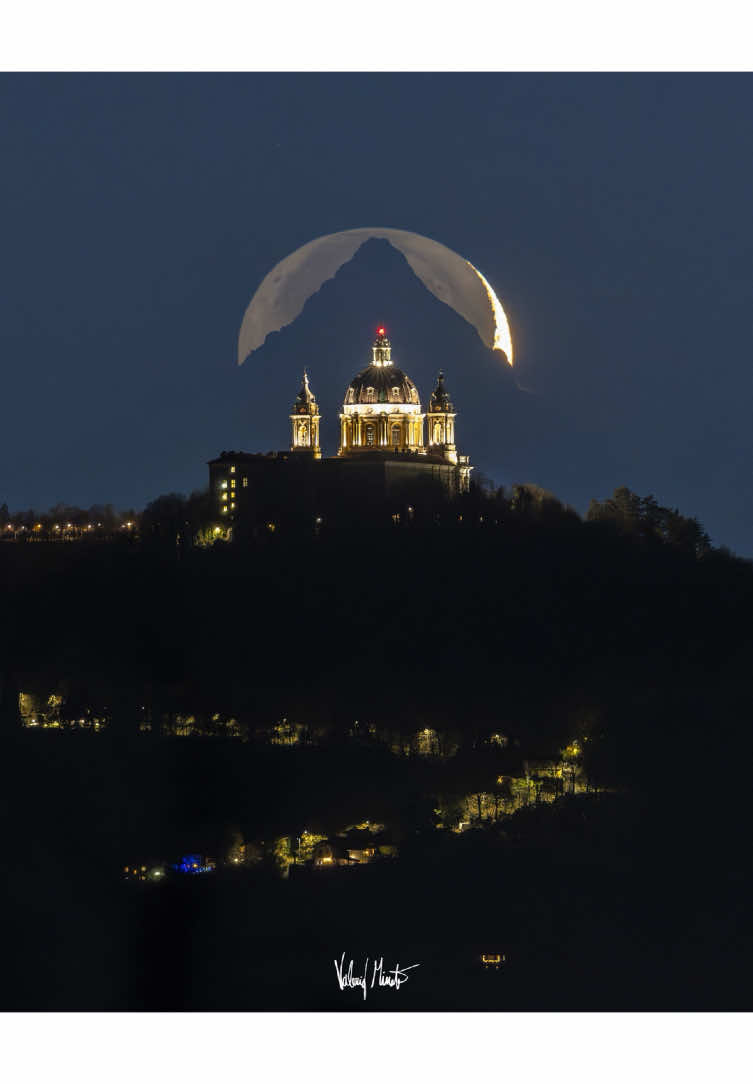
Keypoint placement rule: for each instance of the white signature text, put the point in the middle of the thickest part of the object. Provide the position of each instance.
(349, 978)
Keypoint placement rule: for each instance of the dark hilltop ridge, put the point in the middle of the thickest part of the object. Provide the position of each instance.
(166, 689)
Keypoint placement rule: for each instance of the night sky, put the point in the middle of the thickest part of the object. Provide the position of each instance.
(611, 213)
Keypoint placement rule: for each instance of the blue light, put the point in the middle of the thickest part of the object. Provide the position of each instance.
(192, 863)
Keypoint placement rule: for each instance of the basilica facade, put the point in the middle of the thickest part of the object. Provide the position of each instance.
(388, 443)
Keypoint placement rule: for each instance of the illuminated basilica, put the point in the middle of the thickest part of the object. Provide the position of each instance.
(387, 444)
(382, 415)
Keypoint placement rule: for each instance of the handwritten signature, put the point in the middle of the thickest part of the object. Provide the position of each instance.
(347, 979)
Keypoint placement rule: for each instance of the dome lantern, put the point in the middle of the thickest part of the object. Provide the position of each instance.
(382, 351)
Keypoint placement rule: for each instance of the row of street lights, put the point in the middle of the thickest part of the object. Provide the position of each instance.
(60, 529)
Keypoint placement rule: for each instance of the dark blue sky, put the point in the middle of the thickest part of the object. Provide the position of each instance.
(612, 214)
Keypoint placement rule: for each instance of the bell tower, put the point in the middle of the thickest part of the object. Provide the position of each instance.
(304, 422)
(440, 419)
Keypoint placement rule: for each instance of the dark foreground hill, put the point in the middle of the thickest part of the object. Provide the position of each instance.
(544, 631)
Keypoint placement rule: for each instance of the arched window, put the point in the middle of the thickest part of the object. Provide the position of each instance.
(370, 395)
(396, 395)
(370, 432)
(396, 435)
(437, 433)
(303, 433)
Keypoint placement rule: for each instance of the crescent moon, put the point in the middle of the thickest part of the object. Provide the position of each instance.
(451, 278)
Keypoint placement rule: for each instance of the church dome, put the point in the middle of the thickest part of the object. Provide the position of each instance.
(382, 382)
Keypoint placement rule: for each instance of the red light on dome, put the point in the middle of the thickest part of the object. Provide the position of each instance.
(380, 331)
